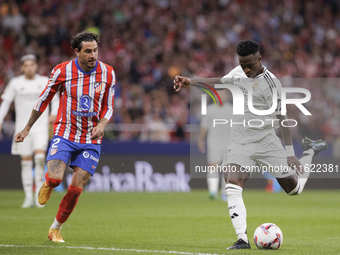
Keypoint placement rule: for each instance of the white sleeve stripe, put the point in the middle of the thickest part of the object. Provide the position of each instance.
(108, 114)
(112, 90)
(54, 78)
(104, 72)
(110, 96)
(111, 93)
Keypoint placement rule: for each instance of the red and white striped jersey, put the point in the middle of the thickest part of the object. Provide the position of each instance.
(85, 98)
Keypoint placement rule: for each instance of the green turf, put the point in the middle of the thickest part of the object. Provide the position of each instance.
(183, 222)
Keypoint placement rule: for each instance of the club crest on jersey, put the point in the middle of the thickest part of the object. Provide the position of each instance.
(99, 86)
(53, 151)
(49, 80)
(255, 86)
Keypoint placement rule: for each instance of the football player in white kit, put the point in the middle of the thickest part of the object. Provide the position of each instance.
(24, 90)
(217, 139)
(250, 144)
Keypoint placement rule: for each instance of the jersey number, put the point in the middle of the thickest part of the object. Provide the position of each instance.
(55, 142)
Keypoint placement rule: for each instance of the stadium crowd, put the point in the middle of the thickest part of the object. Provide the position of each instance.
(149, 42)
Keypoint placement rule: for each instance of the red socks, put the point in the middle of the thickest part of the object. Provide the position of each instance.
(52, 182)
(68, 203)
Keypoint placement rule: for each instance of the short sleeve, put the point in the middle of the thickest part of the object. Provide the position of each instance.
(228, 78)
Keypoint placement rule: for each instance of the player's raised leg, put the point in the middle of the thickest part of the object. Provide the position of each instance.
(54, 177)
(235, 180)
(294, 185)
(68, 203)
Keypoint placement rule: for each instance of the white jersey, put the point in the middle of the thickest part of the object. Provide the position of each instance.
(218, 137)
(25, 93)
(249, 127)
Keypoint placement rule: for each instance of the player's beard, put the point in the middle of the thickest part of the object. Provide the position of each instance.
(91, 64)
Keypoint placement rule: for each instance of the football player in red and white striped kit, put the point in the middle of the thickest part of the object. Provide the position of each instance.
(86, 87)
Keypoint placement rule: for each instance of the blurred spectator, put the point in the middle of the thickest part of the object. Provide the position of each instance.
(13, 20)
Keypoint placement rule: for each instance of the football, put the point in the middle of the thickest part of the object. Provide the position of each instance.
(268, 236)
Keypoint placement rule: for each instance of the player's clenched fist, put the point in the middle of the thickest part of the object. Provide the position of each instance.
(19, 137)
(181, 82)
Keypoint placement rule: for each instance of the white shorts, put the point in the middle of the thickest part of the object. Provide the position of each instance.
(34, 141)
(267, 153)
(215, 155)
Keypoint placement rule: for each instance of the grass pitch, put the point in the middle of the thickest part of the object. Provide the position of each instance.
(169, 223)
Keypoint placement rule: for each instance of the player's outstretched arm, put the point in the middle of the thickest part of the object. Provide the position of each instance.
(288, 141)
(185, 82)
(19, 137)
(98, 131)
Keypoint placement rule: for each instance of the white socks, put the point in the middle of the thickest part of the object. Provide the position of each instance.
(306, 158)
(237, 210)
(213, 182)
(27, 178)
(56, 224)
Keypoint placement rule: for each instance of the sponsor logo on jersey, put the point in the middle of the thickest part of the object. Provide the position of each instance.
(93, 167)
(84, 114)
(85, 102)
(86, 154)
(53, 151)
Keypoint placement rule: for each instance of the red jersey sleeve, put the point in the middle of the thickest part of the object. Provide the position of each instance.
(107, 108)
(50, 89)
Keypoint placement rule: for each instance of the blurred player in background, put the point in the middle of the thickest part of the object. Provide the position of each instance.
(217, 141)
(252, 145)
(86, 88)
(24, 91)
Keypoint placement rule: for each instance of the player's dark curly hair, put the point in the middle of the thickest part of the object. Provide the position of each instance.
(85, 36)
(245, 48)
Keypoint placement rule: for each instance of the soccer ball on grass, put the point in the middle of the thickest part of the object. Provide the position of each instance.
(268, 236)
